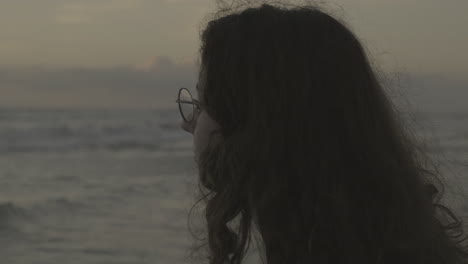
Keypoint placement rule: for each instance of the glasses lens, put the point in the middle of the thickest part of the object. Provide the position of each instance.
(186, 108)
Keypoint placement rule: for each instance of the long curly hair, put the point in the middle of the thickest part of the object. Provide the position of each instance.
(314, 153)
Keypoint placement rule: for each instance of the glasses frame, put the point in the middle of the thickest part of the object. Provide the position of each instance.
(194, 102)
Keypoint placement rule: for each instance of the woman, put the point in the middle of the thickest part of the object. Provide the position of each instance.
(294, 133)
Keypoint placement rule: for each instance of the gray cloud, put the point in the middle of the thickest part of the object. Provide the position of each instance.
(86, 11)
(155, 85)
(434, 93)
(125, 86)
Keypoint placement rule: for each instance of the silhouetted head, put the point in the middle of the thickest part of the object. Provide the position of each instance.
(300, 138)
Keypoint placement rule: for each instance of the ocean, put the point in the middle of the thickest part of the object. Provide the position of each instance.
(116, 186)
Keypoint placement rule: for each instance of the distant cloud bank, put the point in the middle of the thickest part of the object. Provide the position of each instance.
(154, 84)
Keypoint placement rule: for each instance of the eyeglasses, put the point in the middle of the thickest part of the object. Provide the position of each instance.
(187, 104)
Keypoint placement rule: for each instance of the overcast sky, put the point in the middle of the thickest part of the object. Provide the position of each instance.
(137, 53)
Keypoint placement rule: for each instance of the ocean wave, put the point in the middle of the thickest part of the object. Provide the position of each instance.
(10, 214)
(58, 205)
(63, 139)
(64, 131)
(85, 146)
(27, 222)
